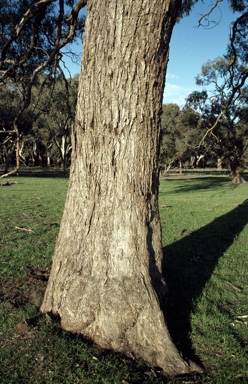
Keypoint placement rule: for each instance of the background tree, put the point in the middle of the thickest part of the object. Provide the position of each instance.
(10, 100)
(32, 44)
(61, 116)
(223, 106)
(179, 137)
(55, 109)
(168, 151)
(223, 110)
(8, 108)
(44, 126)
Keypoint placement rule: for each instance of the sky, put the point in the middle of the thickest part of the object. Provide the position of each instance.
(191, 46)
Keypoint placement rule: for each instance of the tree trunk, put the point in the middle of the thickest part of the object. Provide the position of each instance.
(180, 167)
(35, 154)
(219, 164)
(106, 281)
(9, 154)
(235, 174)
(17, 146)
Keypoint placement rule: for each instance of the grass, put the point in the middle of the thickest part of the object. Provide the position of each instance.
(205, 239)
(205, 264)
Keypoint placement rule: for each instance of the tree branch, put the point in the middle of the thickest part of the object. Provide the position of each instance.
(38, 10)
(205, 16)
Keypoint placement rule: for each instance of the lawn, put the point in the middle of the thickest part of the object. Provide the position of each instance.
(205, 240)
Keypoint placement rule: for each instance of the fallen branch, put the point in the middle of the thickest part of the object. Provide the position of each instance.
(24, 229)
(233, 286)
(242, 317)
(10, 173)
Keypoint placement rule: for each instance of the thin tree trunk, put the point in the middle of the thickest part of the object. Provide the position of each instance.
(180, 167)
(106, 281)
(9, 153)
(219, 164)
(17, 146)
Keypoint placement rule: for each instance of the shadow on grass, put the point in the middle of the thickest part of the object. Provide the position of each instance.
(200, 183)
(189, 263)
(41, 172)
(203, 183)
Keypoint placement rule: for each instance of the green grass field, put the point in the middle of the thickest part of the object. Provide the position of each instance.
(205, 240)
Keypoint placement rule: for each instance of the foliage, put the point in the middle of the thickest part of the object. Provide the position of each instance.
(224, 107)
(55, 111)
(179, 135)
(10, 101)
(224, 112)
(207, 283)
(32, 36)
(45, 126)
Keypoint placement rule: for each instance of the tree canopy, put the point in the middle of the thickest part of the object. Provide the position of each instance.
(223, 100)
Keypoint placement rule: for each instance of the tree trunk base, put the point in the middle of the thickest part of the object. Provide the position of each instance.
(125, 319)
(238, 179)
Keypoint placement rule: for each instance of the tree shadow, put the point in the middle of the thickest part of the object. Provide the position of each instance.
(188, 265)
(199, 184)
(202, 183)
(44, 172)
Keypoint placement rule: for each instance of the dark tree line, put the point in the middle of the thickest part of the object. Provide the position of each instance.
(44, 127)
(30, 59)
(192, 136)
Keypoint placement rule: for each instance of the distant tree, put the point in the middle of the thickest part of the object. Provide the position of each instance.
(224, 105)
(8, 108)
(168, 151)
(222, 111)
(179, 136)
(31, 44)
(44, 127)
(10, 100)
(55, 108)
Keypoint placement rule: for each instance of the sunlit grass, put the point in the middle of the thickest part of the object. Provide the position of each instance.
(205, 235)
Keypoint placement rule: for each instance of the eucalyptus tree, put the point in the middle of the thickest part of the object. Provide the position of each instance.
(223, 114)
(10, 100)
(106, 280)
(8, 109)
(32, 36)
(180, 131)
(168, 151)
(225, 101)
(55, 109)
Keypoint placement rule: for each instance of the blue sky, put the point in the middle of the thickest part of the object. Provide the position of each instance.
(190, 48)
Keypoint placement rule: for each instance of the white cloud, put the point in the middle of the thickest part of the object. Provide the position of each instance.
(175, 94)
(171, 76)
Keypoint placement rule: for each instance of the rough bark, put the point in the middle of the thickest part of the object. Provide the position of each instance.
(106, 281)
